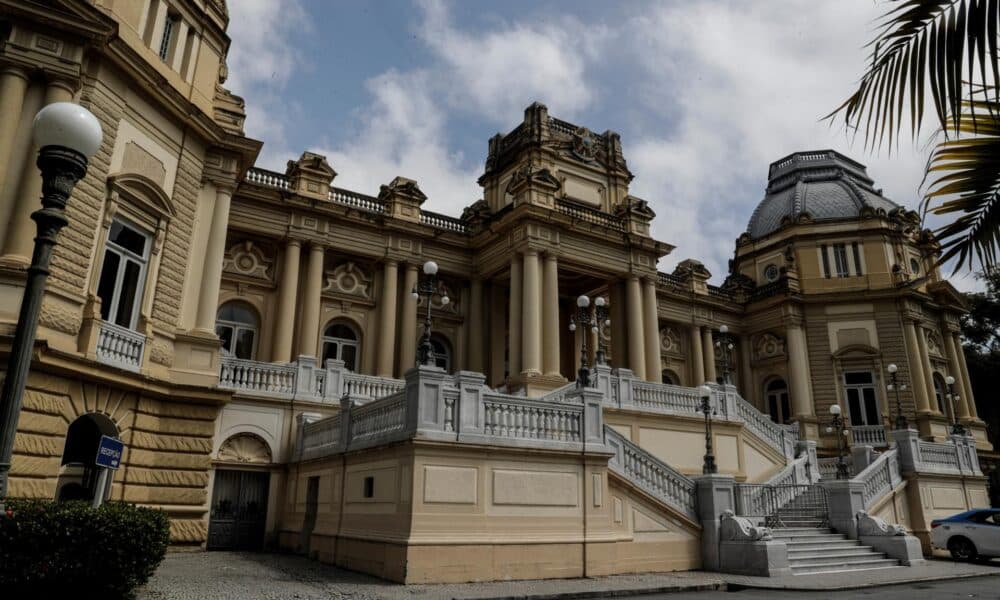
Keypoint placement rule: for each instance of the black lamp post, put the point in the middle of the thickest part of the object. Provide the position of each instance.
(601, 314)
(724, 342)
(839, 425)
(705, 393)
(584, 320)
(428, 288)
(68, 135)
(953, 398)
(895, 386)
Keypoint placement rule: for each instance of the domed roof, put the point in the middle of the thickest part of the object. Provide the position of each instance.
(823, 184)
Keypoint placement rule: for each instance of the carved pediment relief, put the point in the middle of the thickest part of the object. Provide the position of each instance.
(245, 448)
(350, 280)
(934, 346)
(249, 260)
(768, 345)
(670, 341)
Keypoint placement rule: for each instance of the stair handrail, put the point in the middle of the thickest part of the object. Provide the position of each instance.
(880, 477)
(651, 474)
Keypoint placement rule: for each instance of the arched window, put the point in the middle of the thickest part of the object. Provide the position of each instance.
(78, 474)
(666, 377)
(442, 352)
(778, 405)
(237, 327)
(341, 342)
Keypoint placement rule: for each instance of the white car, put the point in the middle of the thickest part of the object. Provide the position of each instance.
(971, 535)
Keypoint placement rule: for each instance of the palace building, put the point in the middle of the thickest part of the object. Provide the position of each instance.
(252, 335)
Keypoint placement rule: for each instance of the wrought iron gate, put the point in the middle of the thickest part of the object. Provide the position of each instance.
(239, 510)
(783, 505)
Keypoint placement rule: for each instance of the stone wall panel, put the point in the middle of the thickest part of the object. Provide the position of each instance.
(171, 443)
(167, 477)
(174, 460)
(144, 422)
(177, 409)
(164, 495)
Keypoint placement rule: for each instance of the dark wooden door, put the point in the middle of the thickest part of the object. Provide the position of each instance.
(239, 510)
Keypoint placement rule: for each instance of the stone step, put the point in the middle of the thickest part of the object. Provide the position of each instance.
(799, 550)
(805, 535)
(838, 568)
(836, 557)
(820, 545)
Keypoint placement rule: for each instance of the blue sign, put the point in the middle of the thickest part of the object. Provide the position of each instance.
(109, 453)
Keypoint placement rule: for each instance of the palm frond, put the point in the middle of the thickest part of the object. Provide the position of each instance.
(967, 187)
(944, 47)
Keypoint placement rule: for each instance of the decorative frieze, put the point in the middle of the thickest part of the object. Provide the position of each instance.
(247, 259)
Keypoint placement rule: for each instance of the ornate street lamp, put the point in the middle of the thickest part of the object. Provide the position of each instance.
(428, 288)
(895, 386)
(839, 425)
(953, 398)
(705, 393)
(583, 318)
(601, 314)
(724, 342)
(68, 135)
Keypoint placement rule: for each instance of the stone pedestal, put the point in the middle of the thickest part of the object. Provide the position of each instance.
(714, 495)
(762, 559)
(845, 498)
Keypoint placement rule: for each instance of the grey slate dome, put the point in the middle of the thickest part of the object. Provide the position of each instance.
(822, 184)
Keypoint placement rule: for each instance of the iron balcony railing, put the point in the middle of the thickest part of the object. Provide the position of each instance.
(783, 505)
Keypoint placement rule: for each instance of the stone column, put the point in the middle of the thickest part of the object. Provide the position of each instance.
(966, 382)
(962, 406)
(798, 373)
(531, 320)
(925, 363)
(550, 304)
(211, 274)
(651, 323)
(309, 327)
(633, 312)
(696, 356)
(498, 334)
(284, 324)
(514, 320)
(20, 235)
(475, 331)
(708, 348)
(408, 322)
(919, 383)
(387, 318)
(13, 86)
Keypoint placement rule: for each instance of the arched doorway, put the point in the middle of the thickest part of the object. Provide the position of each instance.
(341, 342)
(77, 472)
(442, 352)
(669, 377)
(940, 393)
(237, 326)
(238, 517)
(778, 405)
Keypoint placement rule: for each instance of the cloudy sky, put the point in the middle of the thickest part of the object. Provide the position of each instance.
(704, 93)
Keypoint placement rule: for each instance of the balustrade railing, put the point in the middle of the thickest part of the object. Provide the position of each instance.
(320, 437)
(516, 417)
(356, 200)
(119, 346)
(869, 435)
(828, 466)
(942, 456)
(880, 477)
(272, 379)
(379, 419)
(266, 178)
(763, 427)
(582, 212)
(369, 386)
(669, 398)
(442, 222)
(650, 473)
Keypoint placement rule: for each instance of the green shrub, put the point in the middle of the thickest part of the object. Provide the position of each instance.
(69, 550)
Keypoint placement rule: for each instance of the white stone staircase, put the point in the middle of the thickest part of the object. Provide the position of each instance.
(814, 550)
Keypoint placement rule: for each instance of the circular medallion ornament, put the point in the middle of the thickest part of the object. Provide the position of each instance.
(771, 272)
(914, 266)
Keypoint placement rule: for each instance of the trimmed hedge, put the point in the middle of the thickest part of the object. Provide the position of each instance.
(67, 549)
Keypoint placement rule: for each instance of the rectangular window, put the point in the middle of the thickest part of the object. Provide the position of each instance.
(123, 274)
(857, 259)
(859, 389)
(826, 261)
(369, 487)
(840, 260)
(169, 27)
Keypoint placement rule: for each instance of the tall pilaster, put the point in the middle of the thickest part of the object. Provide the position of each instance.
(962, 406)
(498, 334)
(966, 382)
(925, 362)
(696, 356)
(919, 383)
(309, 327)
(284, 325)
(531, 320)
(408, 322)
(651, 327)
(708, 349)
(211, 274)
(550, 304)
(20, 234)
(387, 321)
(798, 373)
(636, 340)
(748, 390)
(13, 86)
(475, 330)
(514, 319)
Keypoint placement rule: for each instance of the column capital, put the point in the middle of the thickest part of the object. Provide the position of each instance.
(65, 84)
(293, 242)
(529, 251)
(14, 70)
